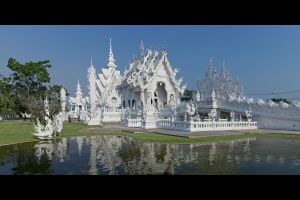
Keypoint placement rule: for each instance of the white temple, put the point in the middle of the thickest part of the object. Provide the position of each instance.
(148, 96)
(223, 85)
(107, 82)
(78, 103)
(150, 81)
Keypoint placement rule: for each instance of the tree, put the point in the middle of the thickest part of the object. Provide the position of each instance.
(27, 87)
(7, 100)
(187, 95)
(28, 78)
(36, 104)
(28, 83)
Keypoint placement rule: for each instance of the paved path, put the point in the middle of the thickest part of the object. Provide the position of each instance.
(119, 127)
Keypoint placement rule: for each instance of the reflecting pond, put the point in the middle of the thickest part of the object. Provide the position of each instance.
(109, 155)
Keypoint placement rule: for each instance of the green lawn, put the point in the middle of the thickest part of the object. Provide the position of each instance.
(20, 131)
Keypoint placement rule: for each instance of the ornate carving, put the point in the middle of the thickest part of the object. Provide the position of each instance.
(224, 86)
(249, 115)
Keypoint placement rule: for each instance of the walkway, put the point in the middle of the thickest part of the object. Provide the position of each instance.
(119, 127)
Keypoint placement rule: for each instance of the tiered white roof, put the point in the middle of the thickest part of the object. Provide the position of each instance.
(109, 78)
(223, 85)
(79, 99)
(145, 67)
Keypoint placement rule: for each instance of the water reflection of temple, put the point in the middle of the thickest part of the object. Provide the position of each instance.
(121, 155)
(115, 155)
(51, 148)
(79, 141)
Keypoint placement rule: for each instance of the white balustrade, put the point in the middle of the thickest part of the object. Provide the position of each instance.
(112, 110)
(206, 126)
(134, 123)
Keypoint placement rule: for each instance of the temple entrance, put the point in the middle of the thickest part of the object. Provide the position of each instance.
(160, 95)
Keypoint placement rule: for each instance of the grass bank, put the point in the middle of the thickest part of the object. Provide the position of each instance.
(20, 131)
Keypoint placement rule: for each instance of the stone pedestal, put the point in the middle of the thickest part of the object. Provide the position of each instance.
(149, 121)
(94, 122)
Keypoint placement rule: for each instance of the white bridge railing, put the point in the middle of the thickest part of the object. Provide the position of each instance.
(134, 123)
(206, 126)
(194, 126)
(111, 115)
(111, 110)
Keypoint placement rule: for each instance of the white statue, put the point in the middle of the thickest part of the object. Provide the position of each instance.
(190, 109)
(50, 129)
(212, 115)
(26, 115)
(43, 132)
(63, 101)
(58, 123)
(249, 115)
(232, 116)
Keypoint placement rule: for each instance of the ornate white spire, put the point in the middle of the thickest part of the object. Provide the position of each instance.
(142, 46)
(63, 99)
(213, 95)
(210, 62)
(78, 91)
(92, 89)
(224, 64)
(211, 73)
(111, 60)
(198, 97)
(223, 72)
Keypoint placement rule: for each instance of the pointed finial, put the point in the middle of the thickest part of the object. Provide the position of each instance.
(142, 46)
(78, 90)
(198, 97)
(110, 49)
(213, 95)
(210, 61)
(92, 61)
(224, 63)
(111, 60)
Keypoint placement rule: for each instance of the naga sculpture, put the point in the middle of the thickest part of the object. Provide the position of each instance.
(49, 130)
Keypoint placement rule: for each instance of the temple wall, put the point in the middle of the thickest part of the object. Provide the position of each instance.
(267, 116)
(277, 123)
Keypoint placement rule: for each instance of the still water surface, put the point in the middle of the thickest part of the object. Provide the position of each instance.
(118, 155)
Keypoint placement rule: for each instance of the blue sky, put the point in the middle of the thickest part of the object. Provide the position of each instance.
(266, 58)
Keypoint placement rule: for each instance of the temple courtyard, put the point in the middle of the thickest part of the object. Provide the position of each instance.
(16, 131)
